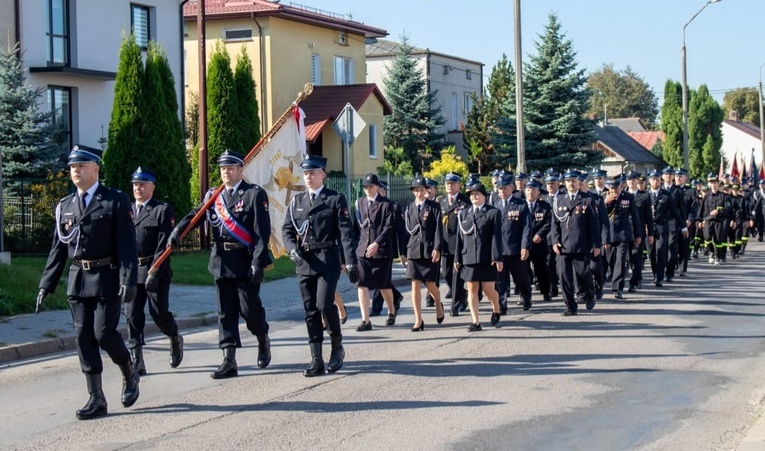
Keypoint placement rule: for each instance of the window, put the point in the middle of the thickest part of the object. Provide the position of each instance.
(139, 22)
(372, 140)
(316, 69)
(59, 103)
(468, 74)
(241, 34)
(468, 103)
(454, 117)
(58, 33)
(343, 71)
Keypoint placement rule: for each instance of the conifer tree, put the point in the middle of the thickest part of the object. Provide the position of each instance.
(415, 120)
(126, 126)
(704, 133)
(672, 124)
(248, 118)
(26, 135)
(557, 132)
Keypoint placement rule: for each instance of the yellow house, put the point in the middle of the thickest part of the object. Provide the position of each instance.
(289, 46)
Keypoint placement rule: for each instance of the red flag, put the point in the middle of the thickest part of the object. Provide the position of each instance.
(762, 172)
(734, 168)
(721, 171)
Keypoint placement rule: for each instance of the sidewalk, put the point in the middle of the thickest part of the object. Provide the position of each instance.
(31, 335)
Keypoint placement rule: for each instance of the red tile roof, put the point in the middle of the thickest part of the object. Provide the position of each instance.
(647, 139)
(223, 9)
(326, 102)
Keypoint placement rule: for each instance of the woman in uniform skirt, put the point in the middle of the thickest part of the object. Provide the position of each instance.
(479, 252)
(422, 256)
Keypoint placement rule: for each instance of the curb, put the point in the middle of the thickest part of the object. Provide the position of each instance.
(23, 351)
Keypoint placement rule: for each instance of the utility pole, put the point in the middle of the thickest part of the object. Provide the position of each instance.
(520, 133)
(204, 176)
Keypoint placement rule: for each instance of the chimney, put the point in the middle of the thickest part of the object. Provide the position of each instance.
(733, 116)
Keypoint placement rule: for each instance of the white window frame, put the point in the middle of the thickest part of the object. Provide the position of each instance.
(454, 113)
(242, 39)
(140, 38)
(316, 69)
(373, 153)
(468, 74)
(468, 102)
(344, 70)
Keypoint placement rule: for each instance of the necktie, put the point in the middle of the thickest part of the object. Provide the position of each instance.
(531, 206)
(451, 201)
(84, 201)
(138, 208)
(572, 197)
(313, 197)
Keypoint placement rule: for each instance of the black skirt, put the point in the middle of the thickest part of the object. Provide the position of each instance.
(375, 273)
(422, 269)
(482, 272)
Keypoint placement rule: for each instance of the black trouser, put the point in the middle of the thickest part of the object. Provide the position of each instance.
(159, 305)
(674, 248)
(597, 266)
(95, 325)
(378, 301)
(513, 266)
(618, 254)
(318, 292)
(636, 258)
(457, 287)
(552, 268)
(239, 297)
(538, 259)
(685, 247)
(574, 270)
(714, 238)
(658, 251)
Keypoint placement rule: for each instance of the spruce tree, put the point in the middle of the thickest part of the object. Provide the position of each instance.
(704, 129)
(415, 120)
(557, 131)
(125, 126)
(672, 123)
(26, 135)
(248, 118)
(222, 110)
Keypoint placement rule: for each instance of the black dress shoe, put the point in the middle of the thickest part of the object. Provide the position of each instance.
(264, 351)
(430, 302)
(391, 320)
(526, 305)
(176, 351)
(475, 328)
(599, 293)
(130, 380)
(554, 292)
(618, 295)
(590, 303)
(96, 405)
(375, 313)
(419, 328)
(503, 311)
(316, 367)
(631, 289)
(364, 326)
(640, 284)
(455, 310)
(228, 367)
(440, 319)
(337, 355)
(659, 284)
(670, 279)
(569, 312)
(546, 298)
(448, 294)
(495, 319)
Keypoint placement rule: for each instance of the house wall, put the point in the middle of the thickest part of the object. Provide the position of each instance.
(7, 22)
(96, 29)
(736, 142)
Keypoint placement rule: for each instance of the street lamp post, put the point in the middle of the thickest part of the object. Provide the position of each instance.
(521, 136)
(685, 88)
(762, 121)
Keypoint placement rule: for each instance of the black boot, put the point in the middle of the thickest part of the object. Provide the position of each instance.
(264, 351)
(96, 406)
(337, 355)
(176, 350)
(130, 379)
(316, 367)
(138, 363)
(228, 368)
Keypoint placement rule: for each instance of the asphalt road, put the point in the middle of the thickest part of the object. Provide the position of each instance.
(678, 368)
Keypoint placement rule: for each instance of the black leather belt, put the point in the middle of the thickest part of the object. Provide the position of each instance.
(317, 246)
(87, 265)
(145, 261)
(231, 246)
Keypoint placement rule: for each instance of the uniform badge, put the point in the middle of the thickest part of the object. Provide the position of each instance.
(345, 213)
(130, 213)
(68, 225)
(172, 222)
(98, 197)
(265, 206)
(240, 192)
(425, 215)
(239, 206)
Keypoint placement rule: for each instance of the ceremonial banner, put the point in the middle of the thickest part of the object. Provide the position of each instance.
(276, 168)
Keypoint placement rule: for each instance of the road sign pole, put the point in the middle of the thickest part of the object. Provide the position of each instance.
(348, 141)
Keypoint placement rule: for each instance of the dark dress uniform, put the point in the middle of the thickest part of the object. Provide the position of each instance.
(663, 208)
(625, 227)
(449, 212)
(758, 210)
(715, 226)
(541, 222)
(675, 227)
(241, 230)
(643, 206)
(479, 243)
(576, 228)
(690, 206)
(423, 224)
(397, 237)
(375, 224)
(99, 240)
(599, 264)
(153, 224)
(516, 236)
(312, 232)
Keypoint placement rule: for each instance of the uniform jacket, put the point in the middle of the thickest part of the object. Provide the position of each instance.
(105, 231)
(602, 213)
(678, 195)
(663, 207)
(376, 224)
(643, 205)
(516, 225)
(480, 237)
(424, 230)
(449, 220)
(715, 201)
(624, 218)
(326, 221)
(690, 202)
(541, 222)
(152, 228)
(575, 226)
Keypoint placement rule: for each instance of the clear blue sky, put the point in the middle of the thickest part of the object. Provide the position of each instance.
(724, 43)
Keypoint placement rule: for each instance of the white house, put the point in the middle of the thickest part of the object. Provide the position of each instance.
(454, 78)
(739, 139)
(71, 50)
